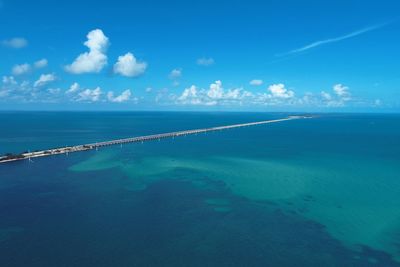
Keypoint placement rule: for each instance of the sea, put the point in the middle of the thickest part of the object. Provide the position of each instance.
(310, 192)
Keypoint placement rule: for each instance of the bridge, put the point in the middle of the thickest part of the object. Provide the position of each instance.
(146, 138)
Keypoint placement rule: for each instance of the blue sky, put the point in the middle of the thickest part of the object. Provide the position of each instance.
(200, 55)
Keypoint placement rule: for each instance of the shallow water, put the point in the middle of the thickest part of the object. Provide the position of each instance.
(320, 192)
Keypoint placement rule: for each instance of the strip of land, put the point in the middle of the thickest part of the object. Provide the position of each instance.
(146, 138)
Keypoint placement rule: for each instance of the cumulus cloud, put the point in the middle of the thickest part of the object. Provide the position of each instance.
(44, 79)
(90, 95)
(40, 63)
(78, 94)
(8, 83)
(279, 91)
(16, 43)
(276, 95)
(189, 96)
(73, 88)
(25, 68)
(326, 96)
(256, 82)
(54, 91)
(205, 61)
(175, 74)
(123, 97)
(338, 98)
(216, 91)
(9, 80)
(21, 69)
(40, 92)
(22, 91)
(341, 90)
(214, 95)
(127, 65)
(94, 60)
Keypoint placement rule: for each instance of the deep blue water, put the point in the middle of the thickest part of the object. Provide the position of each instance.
(318, 192)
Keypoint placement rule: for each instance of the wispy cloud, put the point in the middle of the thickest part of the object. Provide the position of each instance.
(334, 40)
(205, 61)
(17, 42)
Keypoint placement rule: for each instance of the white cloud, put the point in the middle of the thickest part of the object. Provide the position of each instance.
(19, 91)
(40, 63)
(377, 102)
(279, 91)
(162, 93)
(175, 73)
(341, 90)
(277, 95)
(123, 97)
(25, 68)
(9, 80)
(214, 95)
(94, 60)
(73, 88)
(127, 65)
(15, 42)
(341, 95)
(256, 82)
(75, 93)
(189, 92)
(148, 89)
(205, 61)
(21, 69)
(326, 96)
(44, 79)
(90, 95)
(97, 41)
(25, 91)
(54, 91)
(189, 96)
(216, 91)
(233, 93)
(3, 93)
(8, 83)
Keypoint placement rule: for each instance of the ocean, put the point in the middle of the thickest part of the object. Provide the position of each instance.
(312, 192)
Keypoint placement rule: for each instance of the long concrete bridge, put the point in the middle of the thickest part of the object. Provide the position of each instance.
(70, 149)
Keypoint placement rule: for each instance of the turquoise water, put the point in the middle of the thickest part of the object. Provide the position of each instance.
(319, 192)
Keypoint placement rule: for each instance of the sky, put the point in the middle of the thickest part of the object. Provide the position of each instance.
(232, 55)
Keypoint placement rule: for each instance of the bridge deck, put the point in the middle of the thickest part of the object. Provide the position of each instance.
(66, 150)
